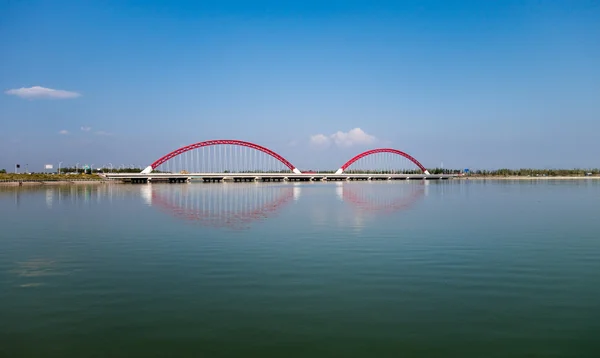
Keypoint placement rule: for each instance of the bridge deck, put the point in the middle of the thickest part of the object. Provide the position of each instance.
(177, 177)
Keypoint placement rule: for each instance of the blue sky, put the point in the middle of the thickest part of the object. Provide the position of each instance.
(479, 84)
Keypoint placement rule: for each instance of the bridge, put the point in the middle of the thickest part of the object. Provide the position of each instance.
(241, 161)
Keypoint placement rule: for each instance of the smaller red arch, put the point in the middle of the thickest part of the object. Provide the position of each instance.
(207, 143)
(382, 150)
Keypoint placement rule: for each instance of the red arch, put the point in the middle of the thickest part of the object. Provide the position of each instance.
(383, 150)
(207, 143)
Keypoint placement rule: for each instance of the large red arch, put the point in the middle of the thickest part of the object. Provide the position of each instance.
(381, 150)
(207, 143)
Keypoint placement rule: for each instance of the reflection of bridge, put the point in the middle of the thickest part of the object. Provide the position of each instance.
(221, 206)
(382, 199)
(239, 161)
(239, 206)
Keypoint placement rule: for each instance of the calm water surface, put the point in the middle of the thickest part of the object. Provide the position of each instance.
(404, 269)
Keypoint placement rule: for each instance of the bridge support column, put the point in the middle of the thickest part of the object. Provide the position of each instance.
(148, 170)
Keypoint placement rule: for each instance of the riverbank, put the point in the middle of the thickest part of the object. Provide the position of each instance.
(49, 179)
(473, 177)
(49, 182)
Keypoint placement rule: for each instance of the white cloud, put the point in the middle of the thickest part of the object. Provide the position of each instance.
(86, 129)
(63, 132)
(353, 137)
(37, 92)
(293, 143)
(103, 133)
(319, 140)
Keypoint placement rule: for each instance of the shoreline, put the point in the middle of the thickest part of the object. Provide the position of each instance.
(528, 178)
(476, 178)
(50, 182)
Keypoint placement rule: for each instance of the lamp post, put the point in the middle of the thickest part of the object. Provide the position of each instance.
(111, 167)
(59, 163)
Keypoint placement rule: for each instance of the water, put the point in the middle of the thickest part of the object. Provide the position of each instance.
(452, 269)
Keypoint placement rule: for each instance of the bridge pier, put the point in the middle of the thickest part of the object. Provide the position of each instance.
(271, 179)
(295, 179)
(244, 179)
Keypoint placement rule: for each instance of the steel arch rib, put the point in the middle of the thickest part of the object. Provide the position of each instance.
(208, 143)
(381, 150)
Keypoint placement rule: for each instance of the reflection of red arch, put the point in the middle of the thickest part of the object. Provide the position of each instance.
(381, 150)
(230, 220)
(396, 205)
(207, 143)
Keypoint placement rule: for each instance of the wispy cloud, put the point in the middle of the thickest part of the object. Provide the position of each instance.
(37, 92)
(319, 140)
(86, 129)
(103, 133)
(353, 137)
(63, 132)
